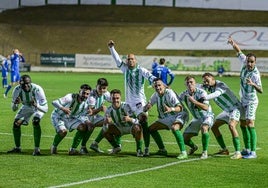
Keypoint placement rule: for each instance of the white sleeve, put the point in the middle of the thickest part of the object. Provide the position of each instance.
(213, 95)
(41, 100)
(116, 57)
(147, 74)
(59, 103)
(15, 95)
(242, 58)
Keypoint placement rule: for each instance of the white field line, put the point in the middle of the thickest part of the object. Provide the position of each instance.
(124, 174)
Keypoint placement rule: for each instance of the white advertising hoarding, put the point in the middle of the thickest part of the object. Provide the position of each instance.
(168, 3)
(94, 61)
(175, 63)
(32, 3)
(127, 2)
(63, 2)
(210, 38)
(95, 2)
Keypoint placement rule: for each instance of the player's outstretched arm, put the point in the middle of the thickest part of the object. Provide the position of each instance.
(114, 54)
(233, 43)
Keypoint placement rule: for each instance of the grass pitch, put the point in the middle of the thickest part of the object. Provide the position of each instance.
(124, 169)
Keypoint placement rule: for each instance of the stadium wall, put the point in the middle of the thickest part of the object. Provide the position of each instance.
(178, 64)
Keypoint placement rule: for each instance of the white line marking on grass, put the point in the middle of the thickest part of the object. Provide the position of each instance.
(124, 174)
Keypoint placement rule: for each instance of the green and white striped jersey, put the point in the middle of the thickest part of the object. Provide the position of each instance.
(247, 92)
(97, 101)
(169, 99)
(117, 115)
(78, 109)
(199, 95)
(134, 80)
(36, 94)
(223, 96)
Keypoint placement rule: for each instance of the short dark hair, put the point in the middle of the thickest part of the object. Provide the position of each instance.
(189, 77)
(156, 79)
(115, 91)
(251, 55)
(102, 82)
(207, 74)
(25, 78)
(85, 86)
(162, 61)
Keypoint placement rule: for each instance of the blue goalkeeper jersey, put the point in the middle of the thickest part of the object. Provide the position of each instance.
(163, 72)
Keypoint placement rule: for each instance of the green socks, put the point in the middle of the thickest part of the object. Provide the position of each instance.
(190, 143)
(78, 138)
(138, 144)
(179, 139)
(99, 137)
(236, 143)
(253, 138)
(17, 136)
(221, 142)
(37, 135)
(86, 137)
(57, 139)
(158, 140)
(205, 141)
(246, 136)
(146, 134)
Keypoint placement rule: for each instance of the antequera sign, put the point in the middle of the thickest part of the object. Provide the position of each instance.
(210, 38)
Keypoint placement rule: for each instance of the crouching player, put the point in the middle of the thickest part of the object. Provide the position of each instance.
(70, 113)
(120, 120)
(34, 103)
(171, 116)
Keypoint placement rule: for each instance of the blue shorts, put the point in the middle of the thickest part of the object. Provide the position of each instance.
(4, 73)
(15, 77)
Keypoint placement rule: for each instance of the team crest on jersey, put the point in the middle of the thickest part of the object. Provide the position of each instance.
(147, 74)
(42, 101)
(173, 101)
(91, 100)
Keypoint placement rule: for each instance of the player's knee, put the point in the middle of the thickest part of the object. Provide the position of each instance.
(82, 127)
(36, 121)
(89, 126)
(176, 126)
(151, 129)
(214, 128)
(137, 129)
(62, 133)
(232, 126)
(16, 124)
(142, 117)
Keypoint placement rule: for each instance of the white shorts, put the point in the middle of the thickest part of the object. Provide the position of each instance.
(124, 130)
(63, 123)
(195, 124)
(228, 116)
(137, 108)
(96, 119)
(249, 111)
(25, 113)
(181, 117)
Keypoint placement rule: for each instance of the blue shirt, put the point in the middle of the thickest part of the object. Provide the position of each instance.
(15, 62)
(162, 72)
(5, 67)
(154, 65)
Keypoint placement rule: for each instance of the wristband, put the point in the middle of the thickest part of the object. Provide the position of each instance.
(172, 109)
